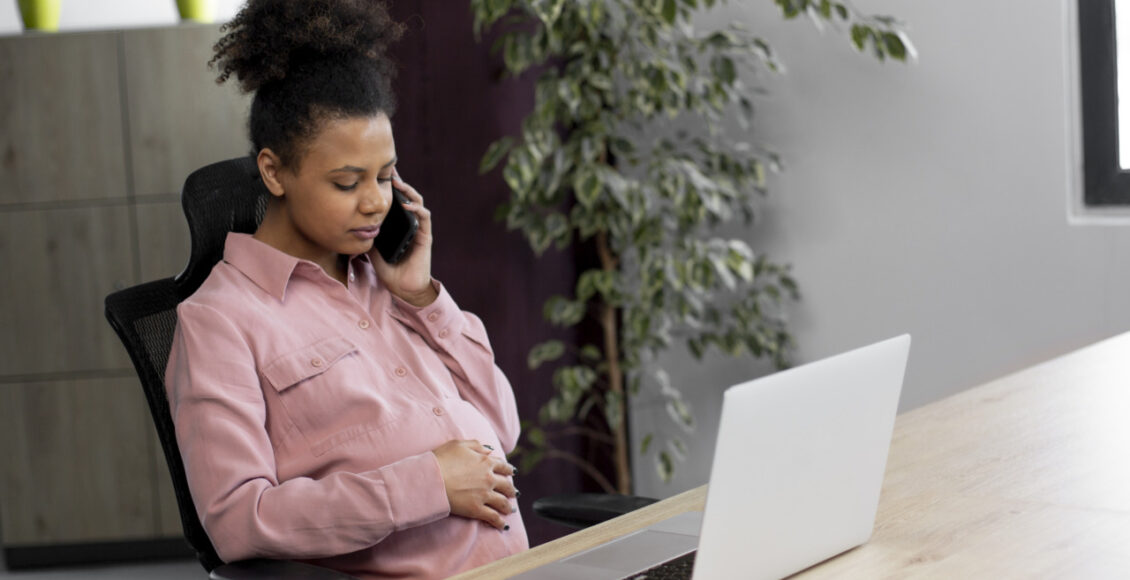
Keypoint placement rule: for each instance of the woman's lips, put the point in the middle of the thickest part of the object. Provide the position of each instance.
(366, 233)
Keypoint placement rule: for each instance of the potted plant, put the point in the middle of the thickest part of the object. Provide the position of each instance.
(197, 10)
(601, 161)
(40, 14)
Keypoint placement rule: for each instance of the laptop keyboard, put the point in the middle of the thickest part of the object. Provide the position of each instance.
(677, 569)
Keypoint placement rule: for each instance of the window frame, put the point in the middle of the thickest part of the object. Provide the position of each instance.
(1105, 183)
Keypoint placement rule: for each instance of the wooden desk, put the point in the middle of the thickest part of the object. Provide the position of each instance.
(1027, 476)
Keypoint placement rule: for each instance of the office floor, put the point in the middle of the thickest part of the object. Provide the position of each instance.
(165, 570)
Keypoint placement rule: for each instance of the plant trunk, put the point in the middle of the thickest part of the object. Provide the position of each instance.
(608, 321)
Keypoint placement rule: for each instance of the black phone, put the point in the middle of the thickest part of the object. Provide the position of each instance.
(397, 231)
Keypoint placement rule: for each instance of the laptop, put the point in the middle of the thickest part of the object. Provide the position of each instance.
(798, 466)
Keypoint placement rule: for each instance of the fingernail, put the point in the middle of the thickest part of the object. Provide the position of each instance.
(513, 471)
(506, 527)
(517, 494)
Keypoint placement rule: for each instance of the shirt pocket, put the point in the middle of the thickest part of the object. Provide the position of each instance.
(322, 386)
(308, 362)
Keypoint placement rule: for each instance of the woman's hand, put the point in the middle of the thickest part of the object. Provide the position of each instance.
(479, 485)
(411, 279)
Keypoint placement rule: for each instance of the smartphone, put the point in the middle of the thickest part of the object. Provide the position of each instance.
(397, 231)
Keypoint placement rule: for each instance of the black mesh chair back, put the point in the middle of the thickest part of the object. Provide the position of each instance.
(217, 199)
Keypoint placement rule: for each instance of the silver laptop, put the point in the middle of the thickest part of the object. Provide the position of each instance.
(798, 465)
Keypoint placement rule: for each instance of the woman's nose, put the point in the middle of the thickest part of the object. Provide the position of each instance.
(375, 199)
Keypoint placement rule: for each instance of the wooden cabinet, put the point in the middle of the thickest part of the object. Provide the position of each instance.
(85, 466)
(179, 118)
(59, 264)
(61, 113)
(99, 131)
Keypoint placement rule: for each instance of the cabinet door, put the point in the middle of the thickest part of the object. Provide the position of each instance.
(78, 462)
(179, 118)
(59, 265)
(61, 113)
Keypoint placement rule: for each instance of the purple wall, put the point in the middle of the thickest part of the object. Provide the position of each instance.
(451, 107)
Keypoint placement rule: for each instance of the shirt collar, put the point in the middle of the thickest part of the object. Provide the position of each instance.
(269, 268)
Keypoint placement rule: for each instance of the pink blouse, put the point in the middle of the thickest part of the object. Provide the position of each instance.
(306, 412)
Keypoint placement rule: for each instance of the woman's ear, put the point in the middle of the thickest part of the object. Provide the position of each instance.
(269, 167)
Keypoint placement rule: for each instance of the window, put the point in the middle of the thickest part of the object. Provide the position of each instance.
(1106, 117)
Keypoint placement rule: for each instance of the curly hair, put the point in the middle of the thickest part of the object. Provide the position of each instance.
(307, 61)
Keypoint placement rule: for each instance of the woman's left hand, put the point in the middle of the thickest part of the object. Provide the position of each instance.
(411, 278)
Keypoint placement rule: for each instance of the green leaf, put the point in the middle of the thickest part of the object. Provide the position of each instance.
(595, 281)
(859, 35)
(557, 228)
(670, 11)
(696, 348)
(548, 351)
(678, 448)
(592, 353)
(495, 153)
(548, 11)
(563, 312)
(725, 70)
(664, 466)
(586, 186)
(569, 91)
(788, 8)
(746, 106)
(536, 436)
(680, 413)
(646, 444)
(895, 47)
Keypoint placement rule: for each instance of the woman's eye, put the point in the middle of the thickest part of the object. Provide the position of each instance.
(349, 187)
(384, 179)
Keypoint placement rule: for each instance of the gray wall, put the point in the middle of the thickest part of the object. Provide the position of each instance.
(931, 199)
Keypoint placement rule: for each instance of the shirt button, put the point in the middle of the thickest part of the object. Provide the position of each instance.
(352, 277)
(433, 316)
(437, 411)
(316, 362)
(401, 371)
(364, 324)
(443, 333)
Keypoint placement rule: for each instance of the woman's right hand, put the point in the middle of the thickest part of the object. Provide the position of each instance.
(478, 484)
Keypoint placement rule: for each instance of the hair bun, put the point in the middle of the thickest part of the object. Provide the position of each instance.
(269, 38)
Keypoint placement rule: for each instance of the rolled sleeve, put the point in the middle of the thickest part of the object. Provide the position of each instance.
(436, 322)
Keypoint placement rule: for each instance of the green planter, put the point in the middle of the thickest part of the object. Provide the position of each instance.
(197, 10)
(40, 14)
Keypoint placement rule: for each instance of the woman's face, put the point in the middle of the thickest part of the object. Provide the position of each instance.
(341, 189)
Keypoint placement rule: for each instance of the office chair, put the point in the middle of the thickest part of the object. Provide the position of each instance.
(217, 199)
(223, 197)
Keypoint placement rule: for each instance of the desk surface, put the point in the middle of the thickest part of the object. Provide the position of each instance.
(1027, 476)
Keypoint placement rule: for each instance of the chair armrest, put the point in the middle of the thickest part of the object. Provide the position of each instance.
(260, 569)
(581, 510)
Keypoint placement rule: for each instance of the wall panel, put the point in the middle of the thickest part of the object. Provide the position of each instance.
(60, 109)
(59, 264)
(179, 119)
